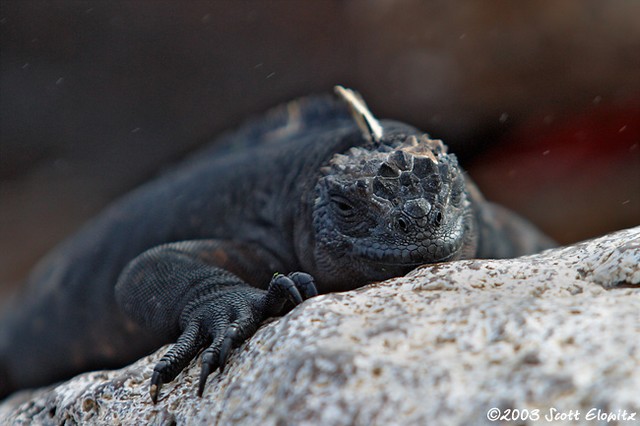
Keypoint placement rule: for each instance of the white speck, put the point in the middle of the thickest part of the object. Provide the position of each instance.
(206, 18)
(258, 65)
(462, 36)
(622, 129)
(271, 75)
(546, 152)
(136, 130)
(25, 66)
(59, 81)
(503, 117)
(633, 147)
(597, 100)
(626, 202)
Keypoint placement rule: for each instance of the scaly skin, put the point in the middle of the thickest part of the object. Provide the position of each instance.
(304, 200)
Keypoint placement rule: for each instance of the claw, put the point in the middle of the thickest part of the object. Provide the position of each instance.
(156, 384)
(288, 286)
(225, 349)
(294, 295)
(209, 358)
(204, 373)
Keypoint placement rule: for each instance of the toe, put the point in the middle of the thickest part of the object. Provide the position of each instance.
(304, 283)
(176, 358)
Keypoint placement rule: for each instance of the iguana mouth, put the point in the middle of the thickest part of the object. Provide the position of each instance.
(452, 256)
(404, 258)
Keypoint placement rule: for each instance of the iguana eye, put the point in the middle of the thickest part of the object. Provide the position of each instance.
(342, 205)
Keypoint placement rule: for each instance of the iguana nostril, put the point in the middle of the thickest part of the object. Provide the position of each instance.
(438, 219)
(402, 224)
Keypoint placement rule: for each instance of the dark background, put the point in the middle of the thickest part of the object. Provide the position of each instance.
(541, 100)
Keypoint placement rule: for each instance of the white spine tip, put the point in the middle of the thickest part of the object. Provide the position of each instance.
(368, 124)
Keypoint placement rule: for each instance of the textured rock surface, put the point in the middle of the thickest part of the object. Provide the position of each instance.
(559, 330)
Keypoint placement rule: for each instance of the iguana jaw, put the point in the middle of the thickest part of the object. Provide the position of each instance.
(431, 251)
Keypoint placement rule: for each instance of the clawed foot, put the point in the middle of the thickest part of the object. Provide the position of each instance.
(225, 319)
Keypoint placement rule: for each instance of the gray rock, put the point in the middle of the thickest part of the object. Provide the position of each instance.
(443, 345)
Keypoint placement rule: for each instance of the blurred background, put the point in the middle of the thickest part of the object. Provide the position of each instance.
(539, 99)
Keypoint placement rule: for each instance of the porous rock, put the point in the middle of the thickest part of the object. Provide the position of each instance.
(554, 331)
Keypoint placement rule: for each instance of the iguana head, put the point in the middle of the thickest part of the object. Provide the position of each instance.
(385, 207)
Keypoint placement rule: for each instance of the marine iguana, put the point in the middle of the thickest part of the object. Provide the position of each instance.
(316, 196)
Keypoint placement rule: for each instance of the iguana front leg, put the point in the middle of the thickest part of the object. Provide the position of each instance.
(205, 294)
